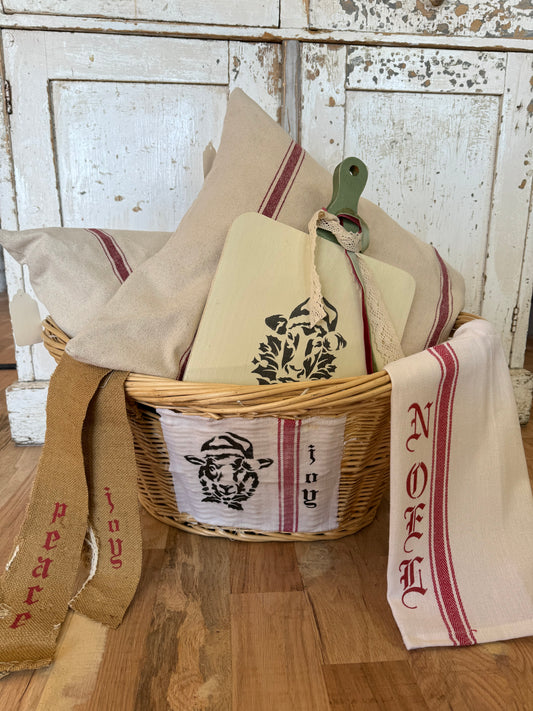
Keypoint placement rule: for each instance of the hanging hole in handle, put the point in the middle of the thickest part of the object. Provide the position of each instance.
(354, 170)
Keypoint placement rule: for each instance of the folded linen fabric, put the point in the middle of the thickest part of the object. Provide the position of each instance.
(74, 272)
(461, 528)
(149, 324)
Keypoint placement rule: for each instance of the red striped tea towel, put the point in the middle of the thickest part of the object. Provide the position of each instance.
(265, 473)
(461, 539)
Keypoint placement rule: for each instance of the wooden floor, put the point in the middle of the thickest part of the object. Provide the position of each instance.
(226, 626)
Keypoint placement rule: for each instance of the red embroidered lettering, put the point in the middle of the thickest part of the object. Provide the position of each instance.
(41, 571)
(417, 480)
(59, 512)
(414, 518)
(113, 525)
(418, 418)
(115, 560)
(51, 537)
(20, 620)
(108, 496)
(29, 600)
(409, 581)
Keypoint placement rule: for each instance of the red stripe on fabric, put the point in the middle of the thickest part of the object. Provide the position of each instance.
(445, 585)
(283, 180)
(289, 188)
(275, 177)
(183, 362)
(297, 477)
(366, 325)
(280, 477)
(116, 256)
(289, 466)
(444, 307)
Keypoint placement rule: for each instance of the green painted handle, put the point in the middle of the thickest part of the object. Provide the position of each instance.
(349, 180)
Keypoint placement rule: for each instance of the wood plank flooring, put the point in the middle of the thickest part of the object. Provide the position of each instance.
(224, 626)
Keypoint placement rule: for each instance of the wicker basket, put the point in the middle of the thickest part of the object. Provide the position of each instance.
(365, 401)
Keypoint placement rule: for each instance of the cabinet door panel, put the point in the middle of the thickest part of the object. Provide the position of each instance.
(237, 12)
(430, 160)
(111, 130)
(447, 137)
(132, 152)
(470, 18)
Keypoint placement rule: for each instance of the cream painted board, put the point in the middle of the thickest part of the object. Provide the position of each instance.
(470, 18)
(255, 325)
(425, 70)
(263, 13)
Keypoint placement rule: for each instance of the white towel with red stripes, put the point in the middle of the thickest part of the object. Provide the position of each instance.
(265, 473)
(461, 522)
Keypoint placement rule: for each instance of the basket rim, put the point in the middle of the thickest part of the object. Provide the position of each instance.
(223, 399)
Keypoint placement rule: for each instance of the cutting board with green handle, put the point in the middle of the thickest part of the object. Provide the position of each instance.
(255, 325)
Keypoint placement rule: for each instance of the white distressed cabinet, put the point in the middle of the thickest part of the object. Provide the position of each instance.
(109, 108)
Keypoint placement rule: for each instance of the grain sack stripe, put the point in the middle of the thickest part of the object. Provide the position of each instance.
(291, 183)
(114, 253)
(279, 188)
(183, 361)
(288, 473)
(275, 178)
(444, 306)
(445, 586)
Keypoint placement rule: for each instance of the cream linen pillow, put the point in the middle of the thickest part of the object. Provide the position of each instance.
(150, 323)
(74, 272)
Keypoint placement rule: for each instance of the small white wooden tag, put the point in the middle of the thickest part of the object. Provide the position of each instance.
(25, 319)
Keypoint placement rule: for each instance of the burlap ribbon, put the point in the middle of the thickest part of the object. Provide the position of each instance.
(86, 481)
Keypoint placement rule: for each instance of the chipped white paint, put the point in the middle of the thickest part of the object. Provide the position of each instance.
(254, 33)
(131, 154)
(509, 253)
(257, 70)
(323, 75)
(294, 13)
(130, 58)
(8, 214)
(482, 18)
(430, 160)
(15, 282)
(26, 409)
(425, 70)
(240, 12)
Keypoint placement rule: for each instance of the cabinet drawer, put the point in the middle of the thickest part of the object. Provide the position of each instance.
(237, 12)
(507, 18)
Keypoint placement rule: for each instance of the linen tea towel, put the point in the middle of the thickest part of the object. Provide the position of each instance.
(461, 537)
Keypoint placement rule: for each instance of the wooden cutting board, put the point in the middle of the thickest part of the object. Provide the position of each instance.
(255, 325)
